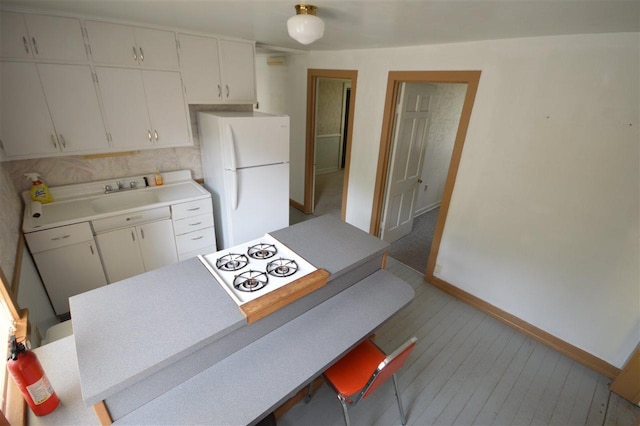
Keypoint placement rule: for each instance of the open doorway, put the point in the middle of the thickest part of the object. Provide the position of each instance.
(328, 151)
(410, 95)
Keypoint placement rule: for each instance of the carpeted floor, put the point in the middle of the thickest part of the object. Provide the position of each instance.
(413, 249)
(328, 193)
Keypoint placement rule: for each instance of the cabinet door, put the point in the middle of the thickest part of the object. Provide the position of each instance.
(57, 38)
(156, 48)
(68, 271)
(73, 102)
(125, 107)
(112, 43)
(157, 244)
(200, 68)
(238, 71)
(167, 109)
(15, 41)
(25, 124)
(120, 254)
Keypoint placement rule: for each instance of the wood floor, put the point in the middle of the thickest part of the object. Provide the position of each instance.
(469, 369)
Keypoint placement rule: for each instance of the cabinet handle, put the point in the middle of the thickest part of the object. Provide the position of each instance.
(193, 209)
(142, 233)
(219, 91)
(35, 45)
(60, 238)
(155, 134)
(150, 137)
(141, 54)
(63, 142)
(134, 217)
(133, 236)
(53, 141)
(195, 224)
(197, 238)
(91, 248)
(26, 44)
(227, 86)
(135, 54)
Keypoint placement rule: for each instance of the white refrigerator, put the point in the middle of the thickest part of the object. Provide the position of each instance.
(245, 161)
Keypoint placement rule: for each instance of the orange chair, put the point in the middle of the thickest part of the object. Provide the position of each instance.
(356, 375)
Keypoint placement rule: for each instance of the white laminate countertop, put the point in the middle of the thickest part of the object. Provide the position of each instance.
(85, 202)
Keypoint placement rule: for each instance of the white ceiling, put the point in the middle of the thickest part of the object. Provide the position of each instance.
(360, 24)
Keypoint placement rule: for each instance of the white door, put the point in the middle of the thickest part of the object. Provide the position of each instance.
(120, 254)
(125, 107)
(25, 123)
(237, 71)
(157, 244)
(200, 68)
(73, 101)
(167, 110)
(68, 271)
(412, 121)
(257, 203)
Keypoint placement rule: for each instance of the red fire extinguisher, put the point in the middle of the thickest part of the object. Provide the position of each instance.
(30, 378)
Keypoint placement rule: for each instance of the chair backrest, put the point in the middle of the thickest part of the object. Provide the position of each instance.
(390, 365)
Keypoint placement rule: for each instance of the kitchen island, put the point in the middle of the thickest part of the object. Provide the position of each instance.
(201, 344)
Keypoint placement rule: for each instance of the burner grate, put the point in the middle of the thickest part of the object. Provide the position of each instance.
(250, 281)
(262, 251)
(282, 267)
(232, 262)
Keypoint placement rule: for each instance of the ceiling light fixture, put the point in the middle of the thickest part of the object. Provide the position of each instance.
(305, 27)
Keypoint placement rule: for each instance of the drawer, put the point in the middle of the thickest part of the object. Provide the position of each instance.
(59, 237)
(194, 223)
(194, 253)
(195, 240)
(192, 208)
(122, 220)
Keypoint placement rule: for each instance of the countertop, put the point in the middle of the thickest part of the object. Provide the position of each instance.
(86, 202)
(114, 325)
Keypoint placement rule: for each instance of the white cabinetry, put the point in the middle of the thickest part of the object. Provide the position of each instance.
(144, 109)
(49, 109)
(27, 36)
(132, 250)
(194, 228)
(68, 262)
(217, 71)
(116, 44)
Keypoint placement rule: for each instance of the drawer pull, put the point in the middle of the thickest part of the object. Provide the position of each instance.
(133, 236)
(134, 218)
(193, 209)
(60, 238)
(195, 224)
(197, 238)
(91, 248)
(26, 44)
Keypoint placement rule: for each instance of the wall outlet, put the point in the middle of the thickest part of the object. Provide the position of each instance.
(437, 269)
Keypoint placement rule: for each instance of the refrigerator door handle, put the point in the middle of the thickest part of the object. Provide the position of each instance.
(234, 190)
(232, 167)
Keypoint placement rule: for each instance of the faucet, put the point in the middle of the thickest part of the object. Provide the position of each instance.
(107, 189)
(120, 186)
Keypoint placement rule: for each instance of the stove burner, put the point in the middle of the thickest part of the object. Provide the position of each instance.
(282, 267)
(232, 262)
(250, 281)
(262, 251)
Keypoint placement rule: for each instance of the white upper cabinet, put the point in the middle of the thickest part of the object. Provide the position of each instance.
(217, 71)
(143, 109)
(49, 109)
(237, 63)
(27, 36)
(124, 45)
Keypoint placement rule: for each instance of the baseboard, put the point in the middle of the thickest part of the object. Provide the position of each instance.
(296, 205)
(426, 209)
(527, 329)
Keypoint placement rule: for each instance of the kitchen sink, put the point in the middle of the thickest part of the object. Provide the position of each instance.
(124, 200)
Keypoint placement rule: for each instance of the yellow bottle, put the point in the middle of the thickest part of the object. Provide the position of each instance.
(39, 191)
(158, 179)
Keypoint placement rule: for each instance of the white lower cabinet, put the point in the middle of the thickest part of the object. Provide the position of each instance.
(194, 228)
(131, 251)
(68, 262)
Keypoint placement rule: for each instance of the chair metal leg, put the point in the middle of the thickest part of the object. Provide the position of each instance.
(345, 411)
(402, 418)
(309, 390)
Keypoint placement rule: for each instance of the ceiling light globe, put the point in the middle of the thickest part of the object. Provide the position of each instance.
(305, 29)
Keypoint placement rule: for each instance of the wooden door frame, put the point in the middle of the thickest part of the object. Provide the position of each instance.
(312, 78)
(396, 78)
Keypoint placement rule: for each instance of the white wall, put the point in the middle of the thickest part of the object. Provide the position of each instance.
(544, 218)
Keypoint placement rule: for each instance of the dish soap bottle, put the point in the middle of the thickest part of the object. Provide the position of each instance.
(158, 178)
(39, 190)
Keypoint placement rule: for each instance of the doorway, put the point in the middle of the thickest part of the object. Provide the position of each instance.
(348, 81)
(395, 85)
